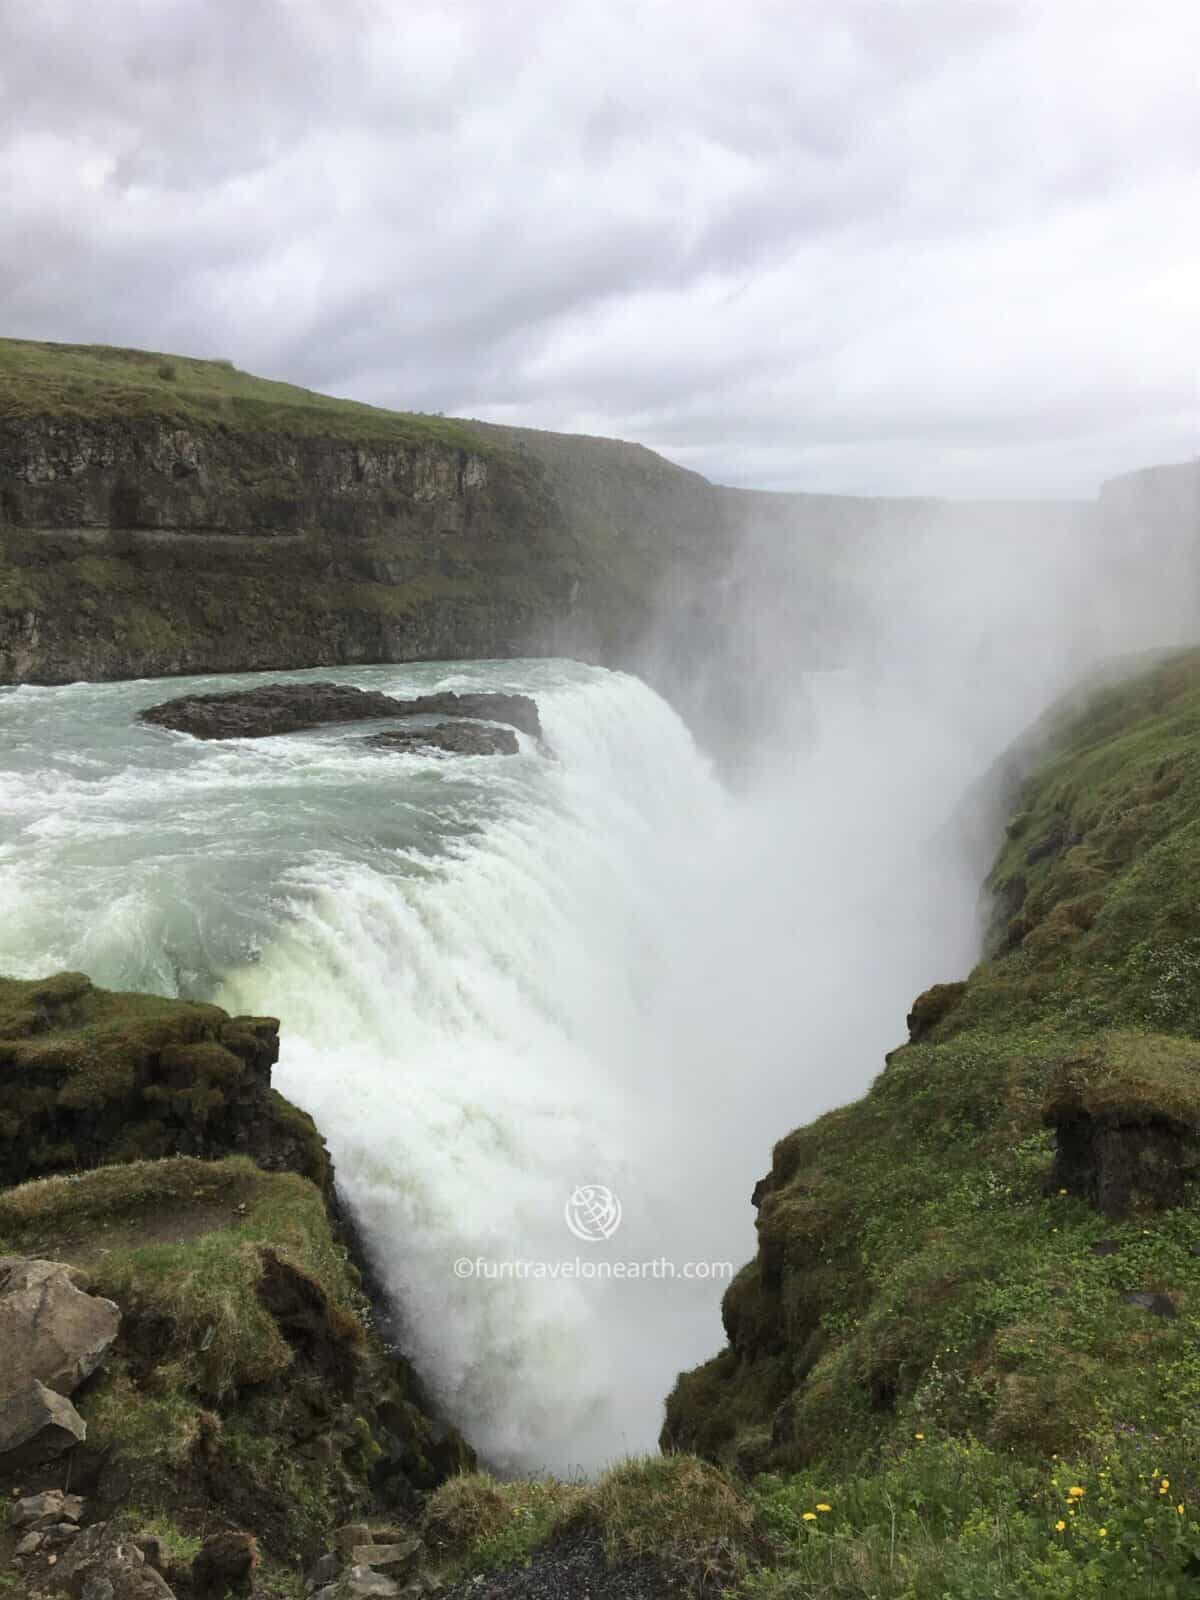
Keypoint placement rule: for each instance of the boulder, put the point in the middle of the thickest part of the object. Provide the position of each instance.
(931, 1007)
(1161, 1305)
(275, 708)
(351, 1535)
(225, 1564)
(43, 1510)
(49, 1329)
(1126, 1119)
(104, 1563)
(461, 739)
(517, 710)
(364, 1583)
(394, 1559)
(323, 1571)
(37, 1425)
(61, 1533)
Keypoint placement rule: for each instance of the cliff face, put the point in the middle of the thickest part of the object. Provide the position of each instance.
(162, 515)
(143, 546)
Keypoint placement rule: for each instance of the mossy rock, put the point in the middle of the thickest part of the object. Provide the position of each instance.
(247, 1386)
(931, 1008)
(90, 1075)
(1126, 1115)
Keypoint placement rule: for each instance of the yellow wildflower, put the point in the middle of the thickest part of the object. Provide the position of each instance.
(1059, 1525)
(1104, 1533)
(1166, 1483)
(1075, 1492)
(824, 1508)
(810, 1516)
(918, 1435)
(1179, 1510)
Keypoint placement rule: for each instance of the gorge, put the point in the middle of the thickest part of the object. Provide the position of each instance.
(640, 950)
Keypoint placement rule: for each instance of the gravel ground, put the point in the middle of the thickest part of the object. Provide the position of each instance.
(573, 1569)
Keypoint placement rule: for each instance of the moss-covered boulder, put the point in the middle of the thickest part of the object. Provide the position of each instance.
(1126, 1117)
(247, 1387)
(89, 1076)
(987, 1244)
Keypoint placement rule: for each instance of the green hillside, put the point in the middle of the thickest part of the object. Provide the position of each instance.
(96, 381)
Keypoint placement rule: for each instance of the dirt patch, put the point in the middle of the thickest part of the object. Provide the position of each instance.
(84, 1242)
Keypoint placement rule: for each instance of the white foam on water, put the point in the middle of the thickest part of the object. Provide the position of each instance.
(501, 978)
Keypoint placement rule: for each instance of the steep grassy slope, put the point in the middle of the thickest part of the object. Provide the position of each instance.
(1001, 1241)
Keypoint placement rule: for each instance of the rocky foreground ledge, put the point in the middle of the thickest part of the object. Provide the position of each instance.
(277, 708)
(194, 1392)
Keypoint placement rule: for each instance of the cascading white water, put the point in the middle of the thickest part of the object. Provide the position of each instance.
(471, 1040)
(498, 979)
(501, 978)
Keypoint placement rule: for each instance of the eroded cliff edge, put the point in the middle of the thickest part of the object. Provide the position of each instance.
(230, 1370)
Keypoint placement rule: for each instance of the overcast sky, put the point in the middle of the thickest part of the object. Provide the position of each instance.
(849, 245)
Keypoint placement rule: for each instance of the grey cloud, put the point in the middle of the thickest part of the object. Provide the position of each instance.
(852, 246)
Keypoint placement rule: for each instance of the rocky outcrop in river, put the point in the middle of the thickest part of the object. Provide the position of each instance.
(275, 708)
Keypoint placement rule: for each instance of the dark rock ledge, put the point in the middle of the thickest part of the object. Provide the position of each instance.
(459, 738)
(292, 707)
